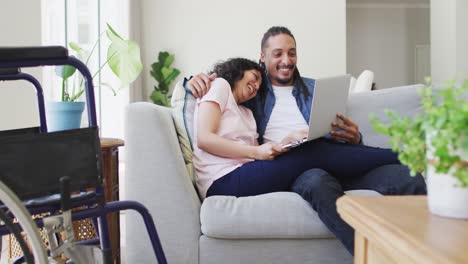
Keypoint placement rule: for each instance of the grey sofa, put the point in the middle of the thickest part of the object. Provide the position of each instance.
(272, 228)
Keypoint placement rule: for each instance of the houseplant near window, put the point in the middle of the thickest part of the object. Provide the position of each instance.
(436, 143)
(164, 74)
(123, 58)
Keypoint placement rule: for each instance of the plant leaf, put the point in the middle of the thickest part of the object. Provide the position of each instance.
(82, 54)
(65, 71)
(172, 75)
(162, 57)
(169, 60)
(165, 72)
(111, 33)
(156, 71)
(74, 46)
(159, 98)
(124, 58)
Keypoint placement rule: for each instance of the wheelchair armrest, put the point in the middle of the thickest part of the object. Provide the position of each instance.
(32, 53)
(9, 71)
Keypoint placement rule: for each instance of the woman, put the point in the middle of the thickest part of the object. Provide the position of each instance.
(227, 157)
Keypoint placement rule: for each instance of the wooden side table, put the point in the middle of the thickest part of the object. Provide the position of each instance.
(110, 169)
(400, 229)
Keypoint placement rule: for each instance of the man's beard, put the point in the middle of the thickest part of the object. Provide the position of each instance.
(284, 81)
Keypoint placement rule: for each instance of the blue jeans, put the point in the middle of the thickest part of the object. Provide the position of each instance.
(344, 161)
(322, 190)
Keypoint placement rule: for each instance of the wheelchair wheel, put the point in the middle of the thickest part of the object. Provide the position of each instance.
(16, 207)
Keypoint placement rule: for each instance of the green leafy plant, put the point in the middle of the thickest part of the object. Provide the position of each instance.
(444, 120)
(163, 73)
(123, 58)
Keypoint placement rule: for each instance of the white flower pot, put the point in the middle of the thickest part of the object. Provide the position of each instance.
(445, 195)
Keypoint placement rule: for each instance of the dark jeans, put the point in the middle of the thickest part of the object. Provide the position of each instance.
(322, 190)
(344, 161)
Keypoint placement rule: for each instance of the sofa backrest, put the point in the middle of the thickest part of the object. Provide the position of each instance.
(404, 100)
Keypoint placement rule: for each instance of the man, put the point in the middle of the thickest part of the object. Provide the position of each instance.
(282, 111)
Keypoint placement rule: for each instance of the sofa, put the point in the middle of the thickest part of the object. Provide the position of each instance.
(271, 228)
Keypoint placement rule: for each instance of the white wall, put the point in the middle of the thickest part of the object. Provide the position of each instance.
(462, 38)
(382, 38)
(449, 36)
(443, 39)
(21, 26)
(202, 32)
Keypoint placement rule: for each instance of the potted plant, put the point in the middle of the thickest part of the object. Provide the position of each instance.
(123, 58)
(164, 74)
(436, 143)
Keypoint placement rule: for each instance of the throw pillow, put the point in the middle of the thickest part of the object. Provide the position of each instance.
(183, 107)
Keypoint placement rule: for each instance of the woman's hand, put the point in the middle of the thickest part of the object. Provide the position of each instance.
(295, 136)
(268, 151)
(209, 118)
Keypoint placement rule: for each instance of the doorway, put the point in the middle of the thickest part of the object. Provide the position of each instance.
(391, 39)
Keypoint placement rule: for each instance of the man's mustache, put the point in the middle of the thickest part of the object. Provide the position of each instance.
(290, 67)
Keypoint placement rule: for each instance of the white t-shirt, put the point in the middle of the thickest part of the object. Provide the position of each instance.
(237, 123)
(285, 116)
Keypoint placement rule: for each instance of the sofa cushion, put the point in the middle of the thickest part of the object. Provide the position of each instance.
(271, 215)
(183, 107)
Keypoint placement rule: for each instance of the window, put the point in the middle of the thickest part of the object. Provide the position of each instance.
(82, 22)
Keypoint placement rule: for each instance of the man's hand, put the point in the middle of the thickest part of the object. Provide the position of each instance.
(200, 84)
(349, 131)
(268, 151)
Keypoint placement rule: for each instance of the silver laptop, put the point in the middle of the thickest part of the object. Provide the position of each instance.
(329, 98)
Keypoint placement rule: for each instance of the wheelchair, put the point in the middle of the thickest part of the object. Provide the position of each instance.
(56, 173)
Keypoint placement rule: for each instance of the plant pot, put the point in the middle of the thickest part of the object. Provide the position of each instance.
(64, 115)
(445, 195)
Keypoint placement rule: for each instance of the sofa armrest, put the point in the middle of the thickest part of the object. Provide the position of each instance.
(156, 176)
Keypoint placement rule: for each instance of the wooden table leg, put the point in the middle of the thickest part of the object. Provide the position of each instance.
(360, 248)
(110, 163)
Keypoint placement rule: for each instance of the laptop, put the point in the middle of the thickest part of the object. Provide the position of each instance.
(329, 98)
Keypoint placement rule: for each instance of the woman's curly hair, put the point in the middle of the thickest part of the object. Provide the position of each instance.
(232, 70)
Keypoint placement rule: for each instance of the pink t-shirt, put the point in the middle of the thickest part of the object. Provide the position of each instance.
(237, 123)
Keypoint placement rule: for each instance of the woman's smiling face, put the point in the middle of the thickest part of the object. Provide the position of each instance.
(247, 87)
